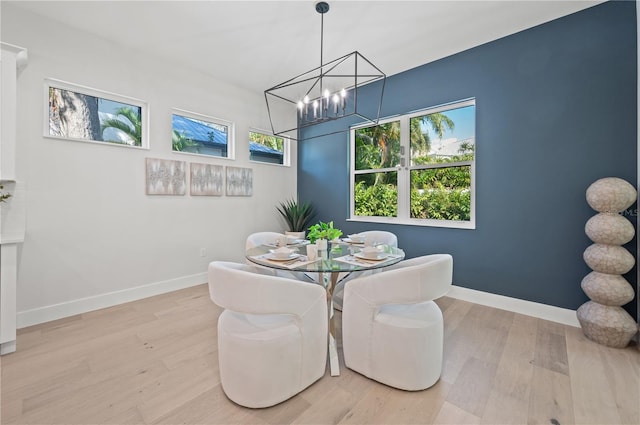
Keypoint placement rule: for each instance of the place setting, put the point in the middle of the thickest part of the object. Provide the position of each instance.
(284, 256)
(368, 256)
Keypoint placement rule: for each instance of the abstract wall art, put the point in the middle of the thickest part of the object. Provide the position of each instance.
(165, 177)
(239, 181)
(207, 179)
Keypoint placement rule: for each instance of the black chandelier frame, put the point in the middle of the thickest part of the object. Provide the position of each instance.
(313, 82)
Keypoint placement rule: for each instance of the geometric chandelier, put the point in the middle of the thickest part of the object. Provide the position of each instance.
(327, 93)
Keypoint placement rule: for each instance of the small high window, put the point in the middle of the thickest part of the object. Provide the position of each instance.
(201, 135)
(85, 114)
(268, 148)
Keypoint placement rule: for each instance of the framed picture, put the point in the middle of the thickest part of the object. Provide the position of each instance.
(165, 177)
(239, 181)
(207, 179)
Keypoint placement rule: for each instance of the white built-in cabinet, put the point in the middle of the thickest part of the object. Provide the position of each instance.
(12, 211)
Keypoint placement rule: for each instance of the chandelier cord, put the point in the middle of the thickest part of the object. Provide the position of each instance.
(321, 46)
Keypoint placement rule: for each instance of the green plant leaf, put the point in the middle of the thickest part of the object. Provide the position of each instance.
(296, 215)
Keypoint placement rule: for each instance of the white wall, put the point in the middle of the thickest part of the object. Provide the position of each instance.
(93, 237)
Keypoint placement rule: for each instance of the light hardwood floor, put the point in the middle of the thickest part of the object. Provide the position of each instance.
(155, 361)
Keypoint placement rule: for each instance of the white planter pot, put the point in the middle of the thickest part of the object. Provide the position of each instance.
(297, 235)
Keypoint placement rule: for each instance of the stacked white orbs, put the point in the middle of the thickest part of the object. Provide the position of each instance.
(603, 319)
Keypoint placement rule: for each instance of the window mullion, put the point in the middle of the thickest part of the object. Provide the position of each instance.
(404, 176)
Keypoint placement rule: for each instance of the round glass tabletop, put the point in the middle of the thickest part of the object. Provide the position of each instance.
(339, 257)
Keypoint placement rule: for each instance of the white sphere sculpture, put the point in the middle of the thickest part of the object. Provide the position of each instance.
(602, 319)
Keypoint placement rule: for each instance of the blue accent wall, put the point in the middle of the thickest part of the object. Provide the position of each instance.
(555, 110)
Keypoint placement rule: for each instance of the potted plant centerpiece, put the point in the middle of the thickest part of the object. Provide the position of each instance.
(323, 232)
(297, 216)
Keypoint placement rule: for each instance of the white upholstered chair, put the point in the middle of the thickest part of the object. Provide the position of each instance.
(392, 331)
(269, 238)
(262, 238)
(272, 335)
(377, 237)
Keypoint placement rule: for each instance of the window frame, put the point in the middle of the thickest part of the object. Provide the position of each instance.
(286, 148)
(102, 94)
(231, 139)
(404, 172)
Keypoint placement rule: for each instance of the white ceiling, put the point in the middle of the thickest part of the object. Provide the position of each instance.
(258, 44)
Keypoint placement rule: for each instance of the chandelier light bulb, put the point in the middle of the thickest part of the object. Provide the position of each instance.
(325, 102)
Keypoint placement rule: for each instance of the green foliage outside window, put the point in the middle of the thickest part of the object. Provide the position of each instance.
(376, 200)
(267, 140)
(441, 204)
(181, 143)
(131, 125)
(442, 193)
(446, 177)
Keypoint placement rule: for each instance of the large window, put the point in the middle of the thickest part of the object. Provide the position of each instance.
(416, 169)
(268, 148)
(90, 115)
(201, 135)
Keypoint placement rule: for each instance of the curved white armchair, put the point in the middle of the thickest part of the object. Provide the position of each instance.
(272, 335)
(392, 331)
(262, 238)
(380, 237)
(266, 238)
(377, 237)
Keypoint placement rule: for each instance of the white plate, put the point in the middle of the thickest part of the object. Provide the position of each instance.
(272, 257)
(378, 257)
(347, 240)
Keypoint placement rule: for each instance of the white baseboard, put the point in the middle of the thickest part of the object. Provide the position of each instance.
(84, 305)
(529, 308)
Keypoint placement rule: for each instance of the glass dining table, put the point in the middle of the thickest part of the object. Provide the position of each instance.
(340, 259)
